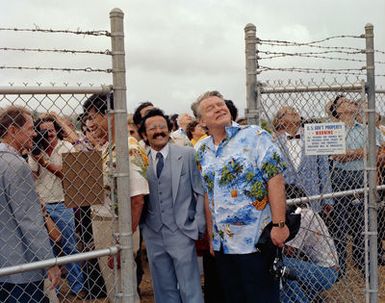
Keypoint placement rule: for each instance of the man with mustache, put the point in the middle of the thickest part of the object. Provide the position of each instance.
(174, 217)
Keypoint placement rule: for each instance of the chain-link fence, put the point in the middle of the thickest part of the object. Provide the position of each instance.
(63, 189)
(332, 140)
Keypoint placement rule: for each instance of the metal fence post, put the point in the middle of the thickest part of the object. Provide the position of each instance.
(252, 108)
(127, 286)
(372, 170)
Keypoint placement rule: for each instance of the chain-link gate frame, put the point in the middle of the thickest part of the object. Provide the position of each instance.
(311, 100)
(70, 100)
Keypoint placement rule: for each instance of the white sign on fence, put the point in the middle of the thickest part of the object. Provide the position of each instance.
(325, 139)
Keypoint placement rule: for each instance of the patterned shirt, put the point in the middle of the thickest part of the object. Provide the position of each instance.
(138, 166)
(235, 176)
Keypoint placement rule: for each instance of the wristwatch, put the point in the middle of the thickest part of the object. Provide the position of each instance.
(280, 224)
(45, 163)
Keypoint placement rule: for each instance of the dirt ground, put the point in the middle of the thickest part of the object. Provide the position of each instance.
(345, 291)
(348, 290)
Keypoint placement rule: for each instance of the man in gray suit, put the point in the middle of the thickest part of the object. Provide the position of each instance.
(174, 216)
(23, 237)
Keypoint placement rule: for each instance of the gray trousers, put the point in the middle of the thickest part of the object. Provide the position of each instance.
(173, 265)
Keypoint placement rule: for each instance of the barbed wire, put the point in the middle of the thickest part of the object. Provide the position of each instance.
(75, 32)
(379, 51)
(315, 41)
(362, 51)
(65, 69)
(338, 71)
(341, 71)
(288, 43)
(52, 84)
(275, 55)
(318, 41)
(339, 49)
(72, 51)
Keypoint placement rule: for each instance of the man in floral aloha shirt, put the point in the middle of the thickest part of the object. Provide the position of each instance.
(241, 170)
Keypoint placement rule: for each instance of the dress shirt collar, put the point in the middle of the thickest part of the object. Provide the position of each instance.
(9, 148)
(231, 131)
(164, 151)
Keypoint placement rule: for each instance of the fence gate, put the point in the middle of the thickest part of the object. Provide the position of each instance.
(81, 172)
(330, 133)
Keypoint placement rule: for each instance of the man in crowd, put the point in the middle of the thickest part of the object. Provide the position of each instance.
(141, 111)
(174, 216)
(132, 128)
(320, 269)
(96, 108)
(242, 173)
(23, 236)
(47, 168)
(180, 136)
(308, 173)
(348, 173)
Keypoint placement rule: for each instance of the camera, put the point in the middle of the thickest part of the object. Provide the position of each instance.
(40, 141)
(279, 271)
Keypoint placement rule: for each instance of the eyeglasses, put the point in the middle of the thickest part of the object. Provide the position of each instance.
(153, 128)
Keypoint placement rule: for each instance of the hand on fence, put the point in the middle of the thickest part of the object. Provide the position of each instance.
(279, 235)
(41, 159)
(111, 260)
(327, 209)
(54, 275)
(69, 134)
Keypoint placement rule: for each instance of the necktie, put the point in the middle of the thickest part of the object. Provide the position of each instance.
(159, 164)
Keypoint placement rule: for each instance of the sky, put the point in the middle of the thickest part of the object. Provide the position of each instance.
(178, 49)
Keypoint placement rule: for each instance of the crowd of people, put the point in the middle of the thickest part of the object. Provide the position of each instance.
(204, 185)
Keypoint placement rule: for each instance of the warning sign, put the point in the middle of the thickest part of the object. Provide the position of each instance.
(325, 139)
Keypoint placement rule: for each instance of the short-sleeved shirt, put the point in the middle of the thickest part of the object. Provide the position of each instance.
(138, 166)
(49, 186)
(179, 137)
(235, 176)
(356, 138)
(314, 240)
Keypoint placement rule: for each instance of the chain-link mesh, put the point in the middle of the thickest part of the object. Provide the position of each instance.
(68, 147)
(333, 257)
(327, 259)
(61, 176)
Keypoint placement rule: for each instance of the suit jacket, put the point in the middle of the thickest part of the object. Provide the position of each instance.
(312, 175)
(23, 236)
(187, 192)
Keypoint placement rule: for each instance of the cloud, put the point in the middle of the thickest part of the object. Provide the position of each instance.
(175, 50)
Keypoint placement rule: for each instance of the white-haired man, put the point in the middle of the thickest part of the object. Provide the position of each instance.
(241, 170)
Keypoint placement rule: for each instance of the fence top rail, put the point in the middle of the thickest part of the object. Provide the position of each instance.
(59, 90)
(267, 89)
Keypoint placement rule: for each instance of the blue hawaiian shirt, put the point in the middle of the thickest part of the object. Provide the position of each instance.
(235, 176)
